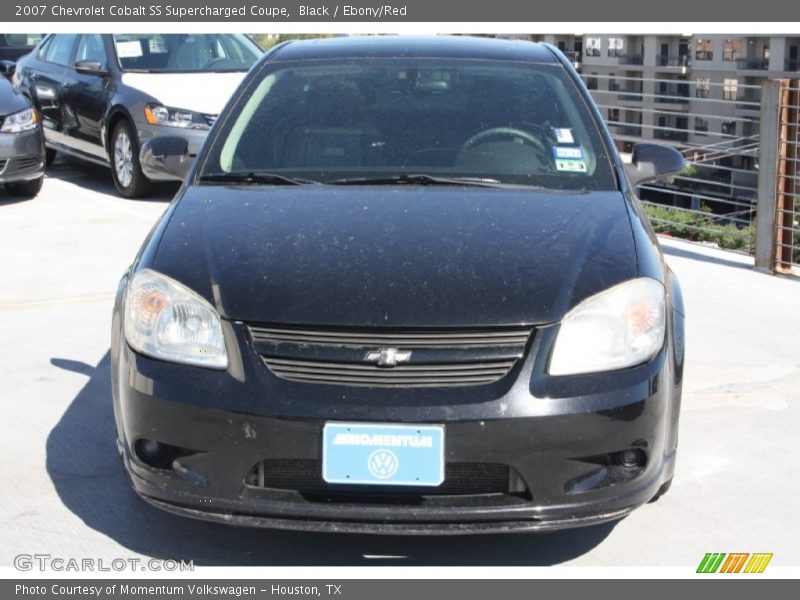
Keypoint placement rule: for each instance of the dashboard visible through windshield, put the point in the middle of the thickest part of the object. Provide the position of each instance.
(156, 52)
(391, 120)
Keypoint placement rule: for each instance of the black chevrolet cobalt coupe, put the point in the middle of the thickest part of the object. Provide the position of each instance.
(405, 288)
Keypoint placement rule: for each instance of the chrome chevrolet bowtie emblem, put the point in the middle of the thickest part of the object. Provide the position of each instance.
(388, 357)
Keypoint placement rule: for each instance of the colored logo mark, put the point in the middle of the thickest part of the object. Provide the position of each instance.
(735, 562)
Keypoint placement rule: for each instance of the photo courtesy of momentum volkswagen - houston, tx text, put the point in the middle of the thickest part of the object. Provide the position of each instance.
(405, 288)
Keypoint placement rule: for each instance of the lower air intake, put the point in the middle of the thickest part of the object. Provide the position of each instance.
(461, 479)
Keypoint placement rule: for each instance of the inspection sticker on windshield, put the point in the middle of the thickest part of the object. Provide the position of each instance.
(130, 49)
(563, 136)
(568, 152)
(570, 165)
(381, 454)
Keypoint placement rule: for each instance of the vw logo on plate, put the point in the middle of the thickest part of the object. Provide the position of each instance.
(383, 463)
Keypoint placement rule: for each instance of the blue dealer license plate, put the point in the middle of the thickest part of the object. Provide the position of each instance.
(361, 454)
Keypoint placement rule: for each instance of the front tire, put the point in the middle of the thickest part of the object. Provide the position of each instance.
(129, 179)
(24, 189)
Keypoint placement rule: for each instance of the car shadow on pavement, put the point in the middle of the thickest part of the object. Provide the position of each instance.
(99, 179)
(86, 472)
(689, 251)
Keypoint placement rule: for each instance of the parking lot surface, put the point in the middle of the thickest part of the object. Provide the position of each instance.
(64, 493)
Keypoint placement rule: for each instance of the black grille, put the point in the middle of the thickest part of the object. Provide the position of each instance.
(305, 476)
(415, 358)
(23, 163)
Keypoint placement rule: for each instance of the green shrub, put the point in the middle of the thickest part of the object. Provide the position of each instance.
(698, 227)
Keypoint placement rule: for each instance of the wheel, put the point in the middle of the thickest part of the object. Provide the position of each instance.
(49, 156)
(24, 189)
(128, 176)
(509, 133)
(662, 490)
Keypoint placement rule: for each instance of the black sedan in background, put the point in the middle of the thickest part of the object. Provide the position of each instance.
(14, 46)
(102, 95)
(21, 143)
(406, 288)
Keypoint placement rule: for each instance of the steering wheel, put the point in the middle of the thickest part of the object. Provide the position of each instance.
(216, 61)
(510, 133)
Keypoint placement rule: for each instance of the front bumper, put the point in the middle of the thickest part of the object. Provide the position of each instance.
(551, 433)
(21, 156)
(195, 138)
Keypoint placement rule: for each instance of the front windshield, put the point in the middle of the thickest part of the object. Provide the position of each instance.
(157, 52)
(363, 120)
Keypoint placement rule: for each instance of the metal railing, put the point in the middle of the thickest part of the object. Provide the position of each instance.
(631, 59)
(715, 199)
(672, 61)
(787, 236)
(741, 187)
(752, 63)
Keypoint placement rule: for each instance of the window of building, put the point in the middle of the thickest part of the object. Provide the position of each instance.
(615, 47)
(634, 118)
(613, 84)
(591, 81)
(729, 127)
(704, 49)
(730, 88)
(592, 46)
(700, 126)
(702, 87)
(613, 115)
(732, 50)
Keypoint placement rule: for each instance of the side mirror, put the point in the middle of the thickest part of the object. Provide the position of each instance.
(650, 162)
(169, 156)
(91, 67)
(7, 68)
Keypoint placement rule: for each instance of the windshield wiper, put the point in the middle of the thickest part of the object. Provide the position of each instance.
(255, 177)
(420, 179)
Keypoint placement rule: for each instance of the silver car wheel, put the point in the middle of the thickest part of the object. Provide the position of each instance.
(123, 159)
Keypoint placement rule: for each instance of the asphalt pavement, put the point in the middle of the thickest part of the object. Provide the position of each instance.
(64, 494)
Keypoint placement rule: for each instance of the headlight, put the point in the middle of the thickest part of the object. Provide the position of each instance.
(167, 320)
(174, 117)
(617, 328)
(18, 122)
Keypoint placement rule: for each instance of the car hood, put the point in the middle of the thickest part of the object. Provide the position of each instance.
(404, 256)
(11, 100)
(204, 92)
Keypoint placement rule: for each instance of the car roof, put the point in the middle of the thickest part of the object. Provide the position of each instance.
(393, 46)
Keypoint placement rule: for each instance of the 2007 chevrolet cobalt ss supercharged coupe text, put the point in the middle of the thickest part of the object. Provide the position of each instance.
(406, 287)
